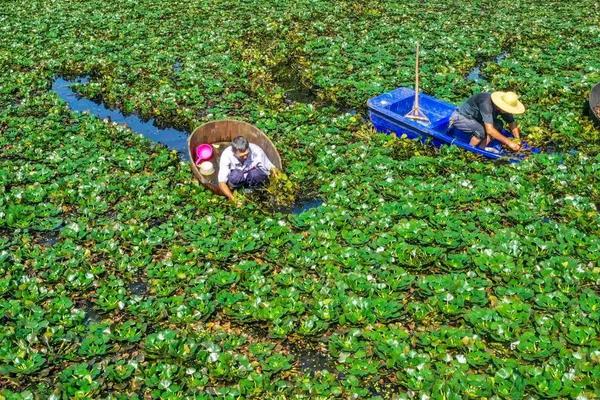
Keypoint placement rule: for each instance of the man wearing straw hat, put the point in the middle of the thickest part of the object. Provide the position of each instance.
(479, 116)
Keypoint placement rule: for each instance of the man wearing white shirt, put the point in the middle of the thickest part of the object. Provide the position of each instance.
(242, 164)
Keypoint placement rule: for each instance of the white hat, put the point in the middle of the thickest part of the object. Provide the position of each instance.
(206, 168)
(508, 102)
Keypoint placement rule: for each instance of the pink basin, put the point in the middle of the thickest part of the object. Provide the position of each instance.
(203, 152)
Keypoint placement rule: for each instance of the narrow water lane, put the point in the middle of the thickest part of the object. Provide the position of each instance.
(172, 138)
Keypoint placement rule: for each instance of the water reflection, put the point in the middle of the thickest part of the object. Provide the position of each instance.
(172, 138)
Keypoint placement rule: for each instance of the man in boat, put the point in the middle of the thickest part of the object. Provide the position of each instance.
(242, 164)
(480, 114)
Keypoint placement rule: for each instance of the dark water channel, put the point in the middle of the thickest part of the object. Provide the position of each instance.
(172, 138)
(49, 238)
(177, 67)
(91, 315)
(311, 361)
(475, 74)
(138, 288)
(304, 205)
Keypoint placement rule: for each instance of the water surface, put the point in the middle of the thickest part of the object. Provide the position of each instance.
(172, 138)
(305, 205)
(475, 74)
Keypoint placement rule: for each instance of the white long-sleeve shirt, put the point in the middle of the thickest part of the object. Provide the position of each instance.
(256, 158)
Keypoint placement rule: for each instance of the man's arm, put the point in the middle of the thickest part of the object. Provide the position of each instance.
(226, 191)
(486, 109)
(224, 169)
(514, 128)
(493, 132)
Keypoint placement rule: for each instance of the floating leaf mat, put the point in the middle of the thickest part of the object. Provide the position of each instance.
(423, 274)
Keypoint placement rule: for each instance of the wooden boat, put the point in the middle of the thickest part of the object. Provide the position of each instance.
(388, 114)
(220, 134)
(594, 101)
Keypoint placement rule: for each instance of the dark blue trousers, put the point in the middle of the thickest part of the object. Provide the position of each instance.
(252, 178)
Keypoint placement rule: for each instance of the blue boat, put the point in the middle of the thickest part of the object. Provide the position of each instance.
(387, 113)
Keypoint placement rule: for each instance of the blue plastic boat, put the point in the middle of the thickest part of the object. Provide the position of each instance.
(387, 112)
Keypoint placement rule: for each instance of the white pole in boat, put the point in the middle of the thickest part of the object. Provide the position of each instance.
(416, 106)
(416, 113)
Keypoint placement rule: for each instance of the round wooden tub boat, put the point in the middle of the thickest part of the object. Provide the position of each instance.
(220, 134)
(594, 101)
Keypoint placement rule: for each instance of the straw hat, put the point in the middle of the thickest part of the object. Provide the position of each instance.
(508, 102)
(206, 168)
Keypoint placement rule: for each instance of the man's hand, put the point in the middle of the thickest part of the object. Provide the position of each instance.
(275, 171)
(513, 145)
(226, 191)
(494, 133)
(237, 201)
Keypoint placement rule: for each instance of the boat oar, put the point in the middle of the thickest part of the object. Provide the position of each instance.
(416, 112)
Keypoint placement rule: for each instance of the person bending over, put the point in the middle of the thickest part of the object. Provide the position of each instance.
(242, 164)
(479, 115)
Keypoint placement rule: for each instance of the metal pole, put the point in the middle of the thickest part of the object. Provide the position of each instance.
(416, 106)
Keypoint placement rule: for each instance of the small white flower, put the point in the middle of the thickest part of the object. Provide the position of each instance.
(570, 375)
(165, 383)
(343, 356)
(461, 359)
(73, 226)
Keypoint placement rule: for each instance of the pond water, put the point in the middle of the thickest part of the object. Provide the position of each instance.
(289, 78)
(138, 288)
(304, 205)
(475, 74)
(172, 138)
(299, 95)
(49, 238)
(312, 361)
(501, 57)
(177, 66)
(91, 315)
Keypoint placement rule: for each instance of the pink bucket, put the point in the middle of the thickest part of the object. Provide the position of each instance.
(203, 152)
